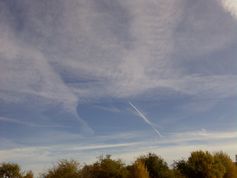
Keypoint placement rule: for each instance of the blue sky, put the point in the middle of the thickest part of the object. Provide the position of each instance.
(72, 73)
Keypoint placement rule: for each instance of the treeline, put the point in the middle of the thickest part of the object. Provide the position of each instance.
(200, 164)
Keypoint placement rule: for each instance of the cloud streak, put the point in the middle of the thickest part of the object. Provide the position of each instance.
(181, 147)
(140, 114)
(29, 124)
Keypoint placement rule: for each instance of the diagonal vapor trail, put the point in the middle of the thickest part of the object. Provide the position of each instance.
(145, 119)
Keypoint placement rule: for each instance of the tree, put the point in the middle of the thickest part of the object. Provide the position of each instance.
(10, 170)
(177, 174)
(156, 166)
(230, 168)
(64, 169)
(204, 165)
(138, 170)
(181, 167)
(200, 165)
(29, 174)
(105, 167)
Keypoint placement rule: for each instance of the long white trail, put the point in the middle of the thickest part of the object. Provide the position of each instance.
(145, 119)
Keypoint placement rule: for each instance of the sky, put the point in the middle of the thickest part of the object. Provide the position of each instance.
(82, 78)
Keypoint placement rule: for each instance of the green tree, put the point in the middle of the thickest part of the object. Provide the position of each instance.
(64, 169)
(10, 170)
(156, 166)
(230, 170)
(200, 165)
(182, 168)
(105, 167)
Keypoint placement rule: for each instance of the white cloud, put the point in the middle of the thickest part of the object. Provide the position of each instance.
(85, 47)
(28, 78)
(41, 157)
(231, 6)
(213, 86)
(76, 50)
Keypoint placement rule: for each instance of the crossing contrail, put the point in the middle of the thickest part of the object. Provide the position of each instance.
(145, 119)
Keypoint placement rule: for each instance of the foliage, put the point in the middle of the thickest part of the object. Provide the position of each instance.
(156, 166)
(177, 174)
(64, 169)
(138, 170)
(105, 167)
(200, 164)
(12, 170)
(205, 165)
(230, 168)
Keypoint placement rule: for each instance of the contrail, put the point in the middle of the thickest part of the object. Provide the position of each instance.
(145, 119)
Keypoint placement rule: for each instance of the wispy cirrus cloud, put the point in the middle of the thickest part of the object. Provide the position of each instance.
(56, 55)
(133, 60)
(28, 123)
(171, 147)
